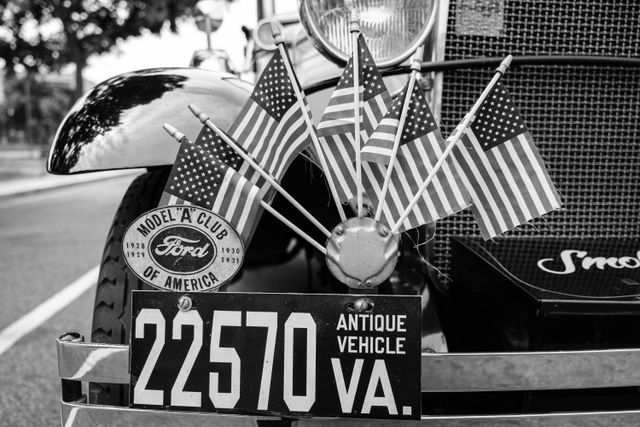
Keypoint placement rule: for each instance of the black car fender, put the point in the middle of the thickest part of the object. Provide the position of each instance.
(118, 123)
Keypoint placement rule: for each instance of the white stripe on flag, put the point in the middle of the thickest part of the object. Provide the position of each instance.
(336, 122)
(477, 176)
(292, 147)
(408, 193)
(494, 178)
(345, 162)
(263, 155)
(230, 211)
(381, 105)
(377, 150)
(250, 139)
(245, 123)
(284, 142)
(435, 183)
(368, 174)
(512, 183)
(258, 152)
(336, 171)
(453, 183)
(339, 107)
(517, 162)
(248, 204)
(220, 196)
(555, 203)
(479, 207)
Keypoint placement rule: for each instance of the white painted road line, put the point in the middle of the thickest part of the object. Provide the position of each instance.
(36, 317)
(48, 182)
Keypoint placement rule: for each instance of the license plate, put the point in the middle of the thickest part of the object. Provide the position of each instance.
(288, 354)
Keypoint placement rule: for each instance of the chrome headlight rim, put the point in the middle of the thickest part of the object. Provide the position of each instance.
(330, 51)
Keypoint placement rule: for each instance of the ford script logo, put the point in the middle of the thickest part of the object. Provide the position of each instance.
(182, 249)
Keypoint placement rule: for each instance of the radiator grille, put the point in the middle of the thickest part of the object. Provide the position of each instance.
(556, 27)
(584, 119)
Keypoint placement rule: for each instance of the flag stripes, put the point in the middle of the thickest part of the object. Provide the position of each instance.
(336, 128)
(503, 170)
(505, 194)
(445, 196)
(271, 125)
(272, 144)
(203, 175)
(380, 146)
(237, 201)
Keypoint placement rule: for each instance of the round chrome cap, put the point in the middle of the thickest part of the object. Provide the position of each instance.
(362, 252)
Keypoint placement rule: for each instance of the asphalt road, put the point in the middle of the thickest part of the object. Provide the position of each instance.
(47, 241)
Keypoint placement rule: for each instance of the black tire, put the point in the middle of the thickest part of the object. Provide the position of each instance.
(111, 319)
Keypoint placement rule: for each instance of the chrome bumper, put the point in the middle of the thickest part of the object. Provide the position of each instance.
(445, 372)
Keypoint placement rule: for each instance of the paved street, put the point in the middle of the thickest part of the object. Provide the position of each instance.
(47, 241)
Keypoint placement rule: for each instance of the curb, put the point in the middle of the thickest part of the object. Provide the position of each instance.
(51, 182)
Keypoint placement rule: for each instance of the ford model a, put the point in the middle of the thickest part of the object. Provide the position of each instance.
(372, 318)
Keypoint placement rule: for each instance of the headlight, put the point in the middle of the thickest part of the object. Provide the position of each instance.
(393, 29)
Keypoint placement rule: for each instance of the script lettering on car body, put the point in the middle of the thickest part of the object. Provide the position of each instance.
(569, 263)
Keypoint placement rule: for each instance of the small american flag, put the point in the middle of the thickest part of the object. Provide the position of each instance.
(502, 168)
(421, 145)
(336, 128)
(271, 126)
(200, 178)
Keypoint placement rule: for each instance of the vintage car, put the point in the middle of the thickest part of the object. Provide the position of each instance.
(539, 327)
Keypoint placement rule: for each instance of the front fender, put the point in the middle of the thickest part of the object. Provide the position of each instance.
(118, 124)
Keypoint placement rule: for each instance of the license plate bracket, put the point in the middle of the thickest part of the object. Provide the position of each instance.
(284, 354)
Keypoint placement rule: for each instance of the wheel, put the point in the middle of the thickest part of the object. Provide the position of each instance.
(111, 317)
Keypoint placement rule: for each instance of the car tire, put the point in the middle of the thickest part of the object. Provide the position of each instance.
(111, 316)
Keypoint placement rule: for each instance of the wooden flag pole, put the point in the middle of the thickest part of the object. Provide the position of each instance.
(453, 140)
(181, 138)
(354, 29)
(293, 227)
(415, 67)
(206, 121)
(279, 40)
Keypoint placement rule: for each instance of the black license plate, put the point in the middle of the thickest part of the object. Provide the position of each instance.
(289, 354)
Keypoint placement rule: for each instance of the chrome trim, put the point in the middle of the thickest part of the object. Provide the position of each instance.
(441, 372)
(80, 414)
(93, 362)
(591, 419)
(438, 56)
(284, 19)
(444, 372)
(455, 372)
(326, 48)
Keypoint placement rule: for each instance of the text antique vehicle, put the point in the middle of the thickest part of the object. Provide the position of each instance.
(420, 212)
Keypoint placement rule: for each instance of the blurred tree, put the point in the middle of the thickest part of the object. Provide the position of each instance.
(45, 35)
(47, 104)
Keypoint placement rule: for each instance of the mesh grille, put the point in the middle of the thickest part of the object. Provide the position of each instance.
(584, 119)
(556, 27)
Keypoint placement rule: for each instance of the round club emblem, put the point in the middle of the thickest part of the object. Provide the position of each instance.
(182, 248)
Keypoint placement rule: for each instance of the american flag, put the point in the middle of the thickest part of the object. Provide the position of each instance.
(200, 177)
(336, 128)
(502, 168)
(271, 126)
(421, 145)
